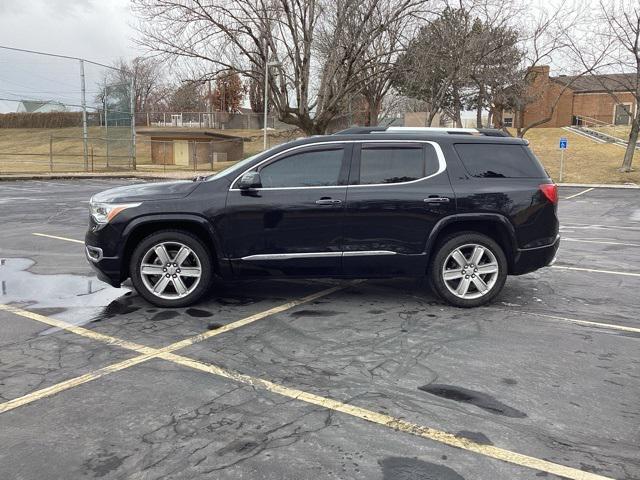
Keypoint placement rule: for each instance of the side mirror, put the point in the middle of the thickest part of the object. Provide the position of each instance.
(250, 180)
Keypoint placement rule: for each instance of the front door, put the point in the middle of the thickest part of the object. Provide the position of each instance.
(622, 115)
(292, 225)
(397, 192)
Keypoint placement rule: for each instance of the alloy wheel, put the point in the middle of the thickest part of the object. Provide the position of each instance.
(470, 271)
(170, 270)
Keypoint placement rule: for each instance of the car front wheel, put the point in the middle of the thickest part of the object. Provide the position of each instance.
(171, 268)
(468, 270)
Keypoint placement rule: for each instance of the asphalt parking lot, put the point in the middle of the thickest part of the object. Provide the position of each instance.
(318, 379)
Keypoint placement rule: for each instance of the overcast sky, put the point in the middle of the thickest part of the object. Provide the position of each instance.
(97, 30)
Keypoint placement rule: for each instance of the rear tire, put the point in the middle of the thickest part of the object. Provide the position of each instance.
(468, 269)
(171, 268)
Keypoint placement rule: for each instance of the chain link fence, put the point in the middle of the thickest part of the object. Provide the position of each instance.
(60, 113)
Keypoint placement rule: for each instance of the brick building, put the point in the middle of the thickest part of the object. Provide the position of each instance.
(580, 97)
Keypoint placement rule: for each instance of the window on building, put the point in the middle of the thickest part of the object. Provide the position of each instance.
(507, 121)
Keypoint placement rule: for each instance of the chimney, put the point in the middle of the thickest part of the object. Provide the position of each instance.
(541, 70)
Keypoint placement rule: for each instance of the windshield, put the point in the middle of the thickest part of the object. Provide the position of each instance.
(238, 166)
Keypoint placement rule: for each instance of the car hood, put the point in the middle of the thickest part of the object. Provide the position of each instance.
(146, 191)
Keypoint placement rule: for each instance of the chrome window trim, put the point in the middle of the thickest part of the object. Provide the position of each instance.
(442, 165)
(288, 256)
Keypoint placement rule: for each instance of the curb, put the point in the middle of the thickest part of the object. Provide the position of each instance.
(72, 176)
(600, 185)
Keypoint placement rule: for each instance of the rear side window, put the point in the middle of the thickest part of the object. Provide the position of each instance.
(491, 160)
(395, 164)
(306, 169)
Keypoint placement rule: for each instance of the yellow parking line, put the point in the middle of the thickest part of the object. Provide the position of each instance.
(580, 269)
(58, 238)
(582, 322)
(388, 421)
(147, 352)
(73, 382)
(603, 242)
(579, 193)
(85, 332)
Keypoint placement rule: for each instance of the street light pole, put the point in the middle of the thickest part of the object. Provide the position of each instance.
(266, 99)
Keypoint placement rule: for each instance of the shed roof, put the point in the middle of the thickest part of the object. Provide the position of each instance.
(185, 133)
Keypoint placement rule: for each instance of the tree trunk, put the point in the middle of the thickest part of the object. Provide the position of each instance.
(373, 107)
(631, 146)
(480, 103)
(430, 117)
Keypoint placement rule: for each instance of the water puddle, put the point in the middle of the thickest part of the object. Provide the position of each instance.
(58, 293)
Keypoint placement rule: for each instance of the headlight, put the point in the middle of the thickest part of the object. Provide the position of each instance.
(104, 212)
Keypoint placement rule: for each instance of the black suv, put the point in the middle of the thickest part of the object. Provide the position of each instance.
(463, 207)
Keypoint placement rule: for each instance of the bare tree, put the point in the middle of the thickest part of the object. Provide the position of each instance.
(547, 35)
(617, 44)
(317, 44)
(147, 77)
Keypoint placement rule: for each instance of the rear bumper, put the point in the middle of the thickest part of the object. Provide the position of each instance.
(530, 259)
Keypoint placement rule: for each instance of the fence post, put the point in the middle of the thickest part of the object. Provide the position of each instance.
(85, 133)
(164, 156)
(195, 156)
(132, 99)
(50, 153)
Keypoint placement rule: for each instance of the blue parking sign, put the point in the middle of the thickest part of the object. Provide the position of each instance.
(563, 143)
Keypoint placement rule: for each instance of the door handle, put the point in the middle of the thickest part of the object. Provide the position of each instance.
(436, 200)
(328, 201)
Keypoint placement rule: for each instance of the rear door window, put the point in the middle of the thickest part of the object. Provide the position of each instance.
(490, 160)
(382, 164)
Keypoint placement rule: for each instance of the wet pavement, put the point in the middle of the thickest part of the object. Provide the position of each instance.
(551, 369)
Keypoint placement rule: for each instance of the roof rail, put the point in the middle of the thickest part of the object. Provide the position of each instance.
(360, 130)
(489, 132)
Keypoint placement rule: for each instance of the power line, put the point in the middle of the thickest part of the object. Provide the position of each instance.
(61, 56)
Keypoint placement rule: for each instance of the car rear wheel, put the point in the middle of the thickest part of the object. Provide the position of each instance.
(171, 268)
(469, 269)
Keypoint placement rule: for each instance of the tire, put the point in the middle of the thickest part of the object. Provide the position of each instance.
(481, 288)
(181, 273)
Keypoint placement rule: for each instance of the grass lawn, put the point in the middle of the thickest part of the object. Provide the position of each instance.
(28, 150)
(585, 161)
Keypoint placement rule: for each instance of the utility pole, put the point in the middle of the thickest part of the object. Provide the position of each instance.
(266, 85)
(85, 134)
(106, 120)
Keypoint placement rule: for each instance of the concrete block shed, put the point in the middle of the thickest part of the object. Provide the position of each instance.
(190, 147)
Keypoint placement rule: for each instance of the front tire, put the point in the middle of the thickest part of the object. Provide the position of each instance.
(171, 268)
(468, 270)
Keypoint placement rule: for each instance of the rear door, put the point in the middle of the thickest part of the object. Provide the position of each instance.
(397, 192)
(293, 224)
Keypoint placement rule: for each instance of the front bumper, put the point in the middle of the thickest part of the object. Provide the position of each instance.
(107, 268)
(530, 259)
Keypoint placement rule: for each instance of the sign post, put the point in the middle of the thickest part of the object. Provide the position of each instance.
(564, 143)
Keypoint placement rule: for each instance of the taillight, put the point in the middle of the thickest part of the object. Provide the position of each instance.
(550, 191)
